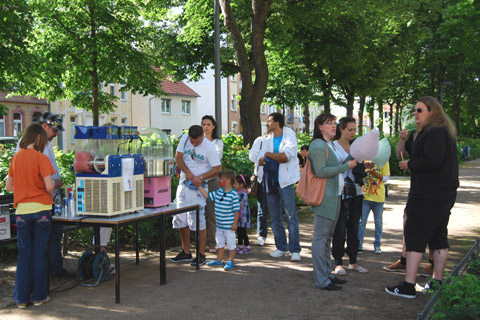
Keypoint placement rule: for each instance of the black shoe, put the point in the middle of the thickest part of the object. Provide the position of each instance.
(182, 257)
(404, 290)
(338, 280)
(332, 286)
(201, 259)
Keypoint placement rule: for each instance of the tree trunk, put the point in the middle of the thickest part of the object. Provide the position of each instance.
(380, 116)
(350, 96)
(456, 106)
(252, 92)
(306, 118)
(391, 118)
(360, 115)
(371, 115)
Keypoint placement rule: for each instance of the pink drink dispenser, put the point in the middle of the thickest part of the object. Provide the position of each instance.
(157, 151)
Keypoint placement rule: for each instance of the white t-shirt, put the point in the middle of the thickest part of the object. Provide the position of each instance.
(342, 155)
(341, 182)
(199, 159)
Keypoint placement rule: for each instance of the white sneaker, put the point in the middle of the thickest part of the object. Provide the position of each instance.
(295, 257)
(378, 250)
(260, 241)
(278, 253)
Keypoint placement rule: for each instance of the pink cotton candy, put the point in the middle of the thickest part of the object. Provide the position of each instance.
(365, 147)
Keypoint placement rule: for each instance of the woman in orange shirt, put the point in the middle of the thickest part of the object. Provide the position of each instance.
(29, 178)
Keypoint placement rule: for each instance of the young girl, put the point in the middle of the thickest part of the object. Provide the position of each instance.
(242, 183)
(30, 180)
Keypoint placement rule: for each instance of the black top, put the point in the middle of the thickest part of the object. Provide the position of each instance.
(301, 160)
(433, 163)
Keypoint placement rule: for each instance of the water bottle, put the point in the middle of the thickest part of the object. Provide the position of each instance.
(57, 205)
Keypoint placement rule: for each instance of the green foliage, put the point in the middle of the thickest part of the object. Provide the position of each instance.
(303, 139)
(474, 267)
(6, 153)
(461, 297)
(235, 155)
(65, 166)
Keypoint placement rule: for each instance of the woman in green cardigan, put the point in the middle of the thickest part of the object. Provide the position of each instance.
(326, 213)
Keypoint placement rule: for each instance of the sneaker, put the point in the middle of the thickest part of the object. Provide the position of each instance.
(279, 253)
(239, 249)
(21, 305)
(427, 270)
(378, 250)
(395, 267)
(337, 280)
(339, 271)
(260, 241)
(39, 303)
(404, 290)
(215, 263)
(182, 257)
(246, 250)
(332, 286)
(360, 251)
(296, 257)
(230, 265)
(201, 258)
(358, 268)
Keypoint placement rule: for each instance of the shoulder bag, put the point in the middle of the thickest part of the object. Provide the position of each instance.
(311, 188)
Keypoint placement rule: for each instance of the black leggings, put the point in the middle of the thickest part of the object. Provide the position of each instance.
(242, 236)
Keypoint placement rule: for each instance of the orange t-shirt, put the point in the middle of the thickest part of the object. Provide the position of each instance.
(28, 168)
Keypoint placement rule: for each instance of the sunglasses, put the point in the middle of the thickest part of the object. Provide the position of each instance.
(193, 154)
(418, 110)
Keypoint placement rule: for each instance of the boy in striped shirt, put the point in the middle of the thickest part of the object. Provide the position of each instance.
(227, 207)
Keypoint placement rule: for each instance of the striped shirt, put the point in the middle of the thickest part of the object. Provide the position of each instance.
(226, 204)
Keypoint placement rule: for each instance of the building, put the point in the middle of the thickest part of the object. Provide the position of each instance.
(21, 112)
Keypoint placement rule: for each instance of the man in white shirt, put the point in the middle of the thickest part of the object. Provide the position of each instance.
(281, 146)
(198, 160)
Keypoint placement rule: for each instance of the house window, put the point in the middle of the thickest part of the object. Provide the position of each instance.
(234, 127)
(185, 107)
(113, 120)
(123, 94)
(112, 89)
(17, 123)
(263, 109)
(2, 125)
(167, 131)
(233, 103)
(73, 123)
(36, 116)
(124, 121)
(232, 78)
(166, 105)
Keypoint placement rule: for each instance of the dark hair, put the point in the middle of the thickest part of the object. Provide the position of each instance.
(438, 117)
(304, 147)
(34, 134)
(278, 117)
(195, 131)
(342, 124)
(228, 174)
(321, 119)
(214, 131)
(243, 179)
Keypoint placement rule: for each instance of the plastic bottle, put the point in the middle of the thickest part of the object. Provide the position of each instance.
(57, 205)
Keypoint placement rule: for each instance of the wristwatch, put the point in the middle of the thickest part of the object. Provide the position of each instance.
(201, 177)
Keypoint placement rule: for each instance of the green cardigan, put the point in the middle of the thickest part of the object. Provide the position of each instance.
(326, 168)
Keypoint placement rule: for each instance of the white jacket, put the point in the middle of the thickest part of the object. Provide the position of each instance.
(288, 172)
(256, 154)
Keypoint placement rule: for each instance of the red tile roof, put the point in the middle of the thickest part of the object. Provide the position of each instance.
(21, 99)
(178, 88)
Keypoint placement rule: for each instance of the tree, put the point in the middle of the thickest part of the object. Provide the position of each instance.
(80, 45)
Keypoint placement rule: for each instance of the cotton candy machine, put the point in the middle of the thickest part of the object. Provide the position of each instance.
(157, 150)
(109, 174)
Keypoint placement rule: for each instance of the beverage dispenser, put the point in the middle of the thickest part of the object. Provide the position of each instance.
(157, 150)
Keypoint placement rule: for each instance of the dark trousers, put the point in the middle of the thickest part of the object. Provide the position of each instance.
(242, 236)
(262, 215)
(347, 227)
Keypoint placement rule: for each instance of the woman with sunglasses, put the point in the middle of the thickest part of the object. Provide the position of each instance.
(433, 189)
(209, 126)
(324, 162)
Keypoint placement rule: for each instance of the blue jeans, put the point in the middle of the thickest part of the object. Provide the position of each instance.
(284, 197)
(377, 208)
(55, 258)
(262, 212)
(31, 278)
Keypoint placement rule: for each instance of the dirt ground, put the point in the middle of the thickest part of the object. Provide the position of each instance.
(260, 286)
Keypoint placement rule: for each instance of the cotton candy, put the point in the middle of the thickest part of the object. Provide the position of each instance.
(365, 147)
(383, 154)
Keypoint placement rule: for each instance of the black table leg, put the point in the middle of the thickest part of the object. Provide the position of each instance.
(96, 239)
(136, 244)
(163, 267)
(117, 264)
(197, 237)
